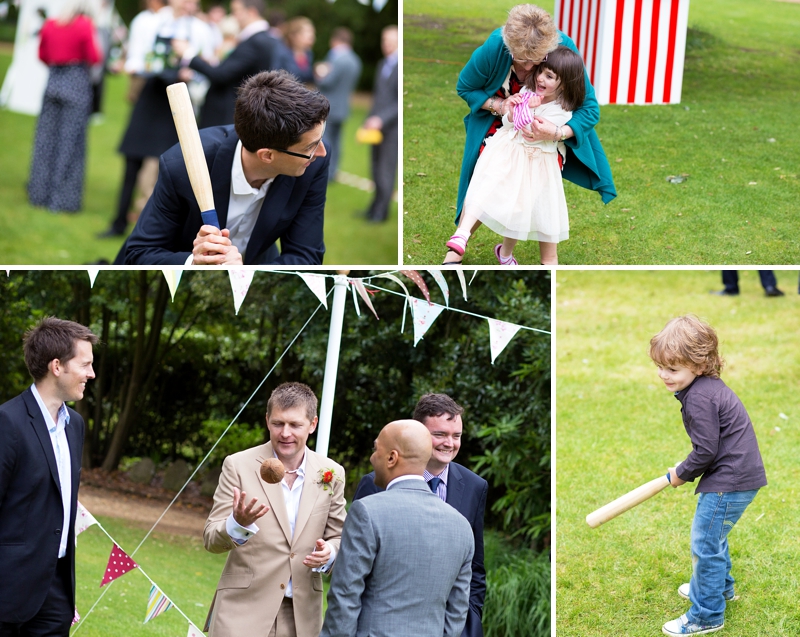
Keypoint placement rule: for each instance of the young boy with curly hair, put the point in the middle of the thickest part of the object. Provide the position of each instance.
(724, 456)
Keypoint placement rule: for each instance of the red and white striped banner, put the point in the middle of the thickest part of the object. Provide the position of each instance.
(633, 49)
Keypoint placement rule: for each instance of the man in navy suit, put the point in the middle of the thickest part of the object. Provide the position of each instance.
(462, 489)
(40, 468)
(254, 53)
(268, 186)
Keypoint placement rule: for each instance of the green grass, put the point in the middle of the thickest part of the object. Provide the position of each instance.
(741, 87)
(617, 427)
(30, 235)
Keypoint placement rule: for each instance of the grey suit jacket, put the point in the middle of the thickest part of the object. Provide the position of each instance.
(403, 569)
(340, 82)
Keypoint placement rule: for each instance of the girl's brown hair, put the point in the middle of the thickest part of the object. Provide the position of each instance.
(568, 66)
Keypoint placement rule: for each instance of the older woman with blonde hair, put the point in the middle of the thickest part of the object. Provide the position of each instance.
(495, 72)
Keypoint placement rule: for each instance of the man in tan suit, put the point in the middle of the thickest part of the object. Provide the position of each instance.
(272, 584)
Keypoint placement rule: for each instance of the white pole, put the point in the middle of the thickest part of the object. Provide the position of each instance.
(331, 362)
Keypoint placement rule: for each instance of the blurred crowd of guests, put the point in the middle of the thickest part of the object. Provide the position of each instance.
(213, 53)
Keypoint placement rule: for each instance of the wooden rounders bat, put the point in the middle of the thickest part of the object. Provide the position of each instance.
(627, 501)
(192, 149)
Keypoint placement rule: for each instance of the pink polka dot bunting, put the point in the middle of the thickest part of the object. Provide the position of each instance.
(118, 564)
(416, 277)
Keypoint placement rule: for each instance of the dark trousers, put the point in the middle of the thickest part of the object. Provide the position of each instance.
(333, 133)
(730, 279)
(384, 171)
(55, 616)
(132, 167)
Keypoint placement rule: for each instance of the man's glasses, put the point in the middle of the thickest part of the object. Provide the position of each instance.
(313, 150)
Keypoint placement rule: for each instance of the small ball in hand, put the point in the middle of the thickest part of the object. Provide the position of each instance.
(272, 470)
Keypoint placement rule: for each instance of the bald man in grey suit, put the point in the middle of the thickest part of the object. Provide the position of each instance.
(405, 561)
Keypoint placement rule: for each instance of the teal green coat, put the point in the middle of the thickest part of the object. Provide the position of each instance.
(586, 164)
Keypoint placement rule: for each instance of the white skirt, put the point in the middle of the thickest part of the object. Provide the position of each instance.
(516, 190)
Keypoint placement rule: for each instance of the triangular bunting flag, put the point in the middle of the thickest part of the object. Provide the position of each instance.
(358, 284)
(83, 520)
(500, 334)
(173, 278)
(316, 283)
(416, 277)
(424, 315)
(240, 284)
(194, 631)
(92, 272)
(355, 300)
(461, 280)
(118, 564)
(439, 278)
(157, 603)
(408, 296)
(8, 272)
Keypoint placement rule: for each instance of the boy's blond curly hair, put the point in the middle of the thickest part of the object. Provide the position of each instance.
(689, 342)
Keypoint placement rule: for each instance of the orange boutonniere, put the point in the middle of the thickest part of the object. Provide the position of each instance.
(327, 477)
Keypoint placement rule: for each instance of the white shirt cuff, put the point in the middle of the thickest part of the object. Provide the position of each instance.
(238, 533)
(329, 564)
(190, 261)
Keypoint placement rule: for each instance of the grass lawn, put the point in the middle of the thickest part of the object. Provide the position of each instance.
(618, 427)
(740, 90)
(30, 235)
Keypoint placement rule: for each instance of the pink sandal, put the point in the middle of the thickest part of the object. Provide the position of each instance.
(457, 244)
(509, 260)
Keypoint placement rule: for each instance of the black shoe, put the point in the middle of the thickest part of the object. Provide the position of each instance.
(773, 291)
(110, 233)
(726, 292)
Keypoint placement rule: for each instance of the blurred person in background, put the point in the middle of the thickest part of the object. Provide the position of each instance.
(296, 55)
(383, 117)
(254, 53)
(68, 46)
(336, 79)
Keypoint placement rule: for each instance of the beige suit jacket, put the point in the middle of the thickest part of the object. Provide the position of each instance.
(253, 582)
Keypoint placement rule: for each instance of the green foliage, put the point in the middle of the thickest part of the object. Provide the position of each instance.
(240, 436)
(518, 597)
(517, 463)
(739, 92)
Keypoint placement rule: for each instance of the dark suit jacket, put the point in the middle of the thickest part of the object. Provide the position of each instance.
(252, 56)
(466, 493)
(31, 511)
(385, 102)
(292, 211)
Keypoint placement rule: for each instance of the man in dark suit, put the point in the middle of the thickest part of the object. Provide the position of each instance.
(383, 117)
(404, 563)
(458, 486)
(40, 468)
(266, 182)
(336, 78)
(253, 54)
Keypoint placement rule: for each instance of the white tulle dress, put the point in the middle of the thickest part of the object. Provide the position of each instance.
(516, 188)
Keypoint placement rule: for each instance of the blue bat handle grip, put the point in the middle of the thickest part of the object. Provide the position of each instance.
(210, 218)
(668, 479)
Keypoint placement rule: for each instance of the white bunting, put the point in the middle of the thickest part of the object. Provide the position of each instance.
(92, 272)
(439, 278)
(240, 284)
(83, 520)
(194, 631)
(355, 298)
(500, 334)
(424, 314)
(463, 282)
(316, 283)
(173, 278)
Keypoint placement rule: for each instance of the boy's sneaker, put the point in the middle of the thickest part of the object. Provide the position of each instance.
(682, 626)
(683, 591)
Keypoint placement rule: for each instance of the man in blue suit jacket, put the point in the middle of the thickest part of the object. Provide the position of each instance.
(268, 186)
(40, 468)
(462, 489)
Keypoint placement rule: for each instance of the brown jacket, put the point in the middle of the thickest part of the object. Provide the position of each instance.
(253, 582)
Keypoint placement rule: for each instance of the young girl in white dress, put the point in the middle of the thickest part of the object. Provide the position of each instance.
(516, 188)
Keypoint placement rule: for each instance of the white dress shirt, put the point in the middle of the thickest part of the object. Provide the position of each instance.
(251, 29)
(58, 437)
(291, 497)
(410, 476)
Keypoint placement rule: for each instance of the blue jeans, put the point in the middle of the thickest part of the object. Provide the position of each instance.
(711, 582)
